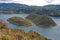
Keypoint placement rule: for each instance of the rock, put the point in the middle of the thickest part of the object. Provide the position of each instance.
(19, 21)
(41, 20)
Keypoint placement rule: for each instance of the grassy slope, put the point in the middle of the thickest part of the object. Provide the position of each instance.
(7, 33)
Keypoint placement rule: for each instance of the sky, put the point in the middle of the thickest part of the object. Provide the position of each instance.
(32, 2)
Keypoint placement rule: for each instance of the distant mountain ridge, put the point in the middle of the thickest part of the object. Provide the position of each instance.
(17, 5)
(52, 10)
(11, 5)
(53, 6)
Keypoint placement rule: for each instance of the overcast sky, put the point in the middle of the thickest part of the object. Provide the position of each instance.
(33, 2)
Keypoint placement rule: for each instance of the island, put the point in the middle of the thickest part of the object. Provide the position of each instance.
(19, 21)
(32, 16)
(41, 20)
(7, 33)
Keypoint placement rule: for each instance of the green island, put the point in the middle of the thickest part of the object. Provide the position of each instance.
(41, 20)
(7, 33)
(19, 21)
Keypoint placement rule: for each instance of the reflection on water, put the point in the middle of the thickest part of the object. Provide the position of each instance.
(51, 32)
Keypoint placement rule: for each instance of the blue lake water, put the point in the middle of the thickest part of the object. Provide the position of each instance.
(51, 32)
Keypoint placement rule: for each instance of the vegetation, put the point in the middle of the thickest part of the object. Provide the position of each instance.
(12, 8)
(35, 36)
(41, 20)
(32, 16)
(19, 21)
(7, 33)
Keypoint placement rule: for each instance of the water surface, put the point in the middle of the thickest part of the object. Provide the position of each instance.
(51, 32)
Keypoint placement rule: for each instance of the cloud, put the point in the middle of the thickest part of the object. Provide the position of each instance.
(49, 1)
(5, 0)
(33, 2)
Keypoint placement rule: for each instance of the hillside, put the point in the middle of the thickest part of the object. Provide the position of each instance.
(7, 33)
(12, 8)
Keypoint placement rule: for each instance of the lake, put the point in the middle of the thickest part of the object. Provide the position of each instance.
(51, 32)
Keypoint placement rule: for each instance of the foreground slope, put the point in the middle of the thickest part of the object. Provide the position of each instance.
(7, 33)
